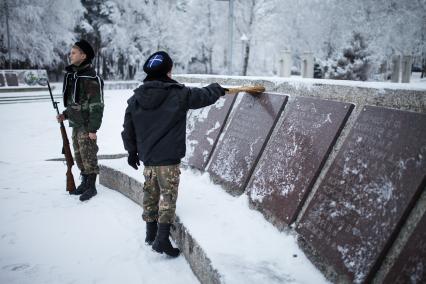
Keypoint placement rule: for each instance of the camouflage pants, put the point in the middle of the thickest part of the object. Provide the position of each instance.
(85, 151)
(160, 192)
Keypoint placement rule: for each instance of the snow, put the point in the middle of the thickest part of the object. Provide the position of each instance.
(194, 116)
(48, 236)
(240, 243)
(298, 82)
(227, 155)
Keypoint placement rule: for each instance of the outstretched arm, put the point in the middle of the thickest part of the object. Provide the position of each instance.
(201, 97)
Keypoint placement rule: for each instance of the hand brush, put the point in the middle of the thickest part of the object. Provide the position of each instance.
(253, 90)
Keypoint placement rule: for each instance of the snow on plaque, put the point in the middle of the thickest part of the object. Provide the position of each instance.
(242, 141)
(367, 192)
(410, 266)
(294, 157)
(202, 131)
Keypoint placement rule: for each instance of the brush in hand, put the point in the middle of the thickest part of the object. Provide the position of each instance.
(254, 90)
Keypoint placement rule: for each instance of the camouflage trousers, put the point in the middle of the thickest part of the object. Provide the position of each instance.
(85, 151)
(160, 192)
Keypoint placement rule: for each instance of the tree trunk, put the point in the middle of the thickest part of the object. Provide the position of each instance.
(424, 48)
(132, 72)
(104, 67)
(210, 60)
(210, 48)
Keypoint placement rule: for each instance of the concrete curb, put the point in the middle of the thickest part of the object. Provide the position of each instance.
(100, 157)
(193, 252)
(195, 255)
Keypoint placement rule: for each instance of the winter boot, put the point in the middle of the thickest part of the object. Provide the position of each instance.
(82, 187)
(162, 243)
(90, 188)
(151, 231)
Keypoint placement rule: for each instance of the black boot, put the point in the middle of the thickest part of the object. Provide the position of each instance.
(151, 231)
(90, 188)
(82, 187)
(162, 242)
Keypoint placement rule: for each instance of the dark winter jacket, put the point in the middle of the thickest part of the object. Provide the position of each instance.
(155, 119)
(83, 97)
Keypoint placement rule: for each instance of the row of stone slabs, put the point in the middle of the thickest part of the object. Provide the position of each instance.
(247, 144)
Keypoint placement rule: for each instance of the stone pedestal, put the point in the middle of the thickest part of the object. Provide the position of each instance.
(307, 65)
(285, 63)
(407, 61)
(396, 66)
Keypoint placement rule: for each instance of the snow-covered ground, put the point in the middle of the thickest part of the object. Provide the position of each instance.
(48, 236)
(240, 243)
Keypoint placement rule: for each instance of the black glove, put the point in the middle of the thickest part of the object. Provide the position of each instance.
(133, 160)
(224, 90)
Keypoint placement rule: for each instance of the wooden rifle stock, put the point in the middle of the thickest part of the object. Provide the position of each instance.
(68, 158)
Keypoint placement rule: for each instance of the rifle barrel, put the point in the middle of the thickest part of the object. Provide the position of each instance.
(55, 104)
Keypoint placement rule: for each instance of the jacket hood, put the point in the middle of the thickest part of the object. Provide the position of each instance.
(152, 94)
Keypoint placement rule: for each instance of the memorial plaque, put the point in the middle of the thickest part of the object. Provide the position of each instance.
(2, 82)
(367, 192)
(242, 141)
(202, 131)
(410, 265)
(294, 156)
(11, 79)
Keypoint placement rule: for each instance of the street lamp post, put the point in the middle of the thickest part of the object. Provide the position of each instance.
(244, 42)
(230, 34)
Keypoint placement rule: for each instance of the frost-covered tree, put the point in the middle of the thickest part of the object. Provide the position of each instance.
(123, 43)
(354, 64)
(201, 31)
(253, 19)
(391, 26)
(194, 32)
(97, 28)
(41, 32)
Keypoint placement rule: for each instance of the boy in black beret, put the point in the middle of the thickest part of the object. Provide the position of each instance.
(154, 133)
(84, 102)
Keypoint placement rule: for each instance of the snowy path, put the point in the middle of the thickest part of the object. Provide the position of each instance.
(48, 236)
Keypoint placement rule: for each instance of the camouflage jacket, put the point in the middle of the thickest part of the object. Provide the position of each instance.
(83, 97)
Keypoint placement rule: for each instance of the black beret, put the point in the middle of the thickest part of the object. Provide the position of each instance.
(86, 48)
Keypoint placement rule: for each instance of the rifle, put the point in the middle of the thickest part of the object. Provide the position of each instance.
(65, 147)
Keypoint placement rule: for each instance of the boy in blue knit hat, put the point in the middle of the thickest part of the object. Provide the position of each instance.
(154, 133)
